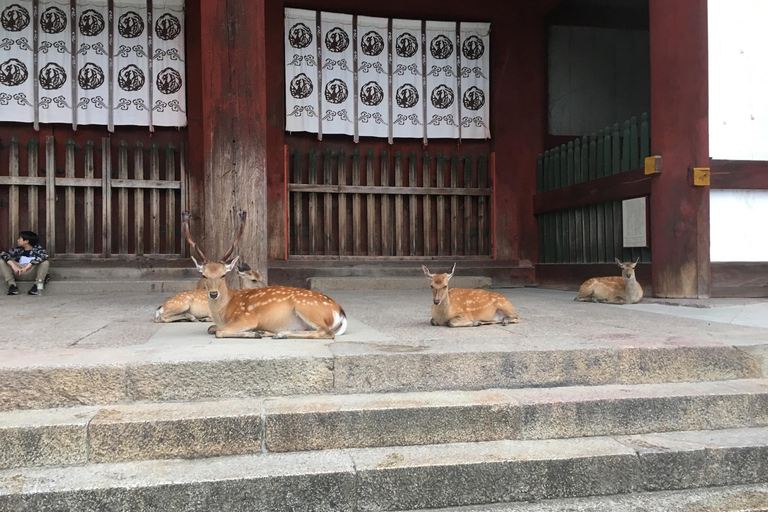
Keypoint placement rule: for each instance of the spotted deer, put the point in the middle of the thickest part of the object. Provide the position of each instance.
(279, 311)
(459, 307)
(622, 289)
(193, 305)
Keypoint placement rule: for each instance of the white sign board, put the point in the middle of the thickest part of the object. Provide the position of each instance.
(634, 222)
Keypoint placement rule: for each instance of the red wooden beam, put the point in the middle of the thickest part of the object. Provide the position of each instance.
(738, 174)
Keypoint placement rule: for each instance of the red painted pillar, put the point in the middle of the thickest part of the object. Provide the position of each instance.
(228, 125)
(679, 110)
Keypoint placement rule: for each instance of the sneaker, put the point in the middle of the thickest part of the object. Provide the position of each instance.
(36, 289)
(13, 290)
(47, 278)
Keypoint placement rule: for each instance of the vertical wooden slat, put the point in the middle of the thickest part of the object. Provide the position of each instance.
(593, 234)
(562, 215)
(122, 197)
(106, 196)
(545, 185)
(482, 208)
(386, 228)
(138, 198)
(341, 179)
(440, 202)
(313, 203)
(467, 162)
(50, 195)
(634, 147)
(625, 163)
(426, 204)
(32, 200)
(454, 205)
(371, 201)
(577, 255)
(327, 203)
(616, 150)
(170, 201)
(607, 208)
(298, 224)
(69, 195)
(412, 207)
(600, 208)
(185, 188)
(645, 138)
(399, 214)
(539, 173)
(13, 192)
(154, 199)
(357, 209)
(88, 235)
(555, 172)
(570, 215)
(584, 159)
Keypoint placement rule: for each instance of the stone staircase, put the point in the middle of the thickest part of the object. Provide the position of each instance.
(300, 425)
(95, 279)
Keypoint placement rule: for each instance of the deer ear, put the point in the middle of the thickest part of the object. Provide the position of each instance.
(452, 271)
(199, 266)
(637, 261)
(426, 272)
(232, 263)
(618, 261)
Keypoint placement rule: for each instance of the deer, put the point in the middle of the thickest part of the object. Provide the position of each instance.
(459, 307)
(622, 289)
(277, 311)
(193, 305)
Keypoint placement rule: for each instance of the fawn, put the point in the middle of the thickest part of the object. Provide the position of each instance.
(622, 289)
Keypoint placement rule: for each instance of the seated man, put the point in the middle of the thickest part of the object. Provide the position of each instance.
(27, 262)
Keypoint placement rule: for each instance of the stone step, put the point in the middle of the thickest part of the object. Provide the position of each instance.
(184, 372)
(400, 478)
(320, 422)
(391, 283)
(737, 498)
(91, 273)
(101, 286)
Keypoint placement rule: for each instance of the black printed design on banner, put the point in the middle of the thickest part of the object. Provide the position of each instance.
(441, 47)
(372, 43)
(371, 94)
(407, 96)
(336, 91)
(442, 96)
(90, 76)
(473, 48)
(337, 40)
(13, 72)
(167, 27)
(168, 81)
(91, 23)
(406, 45)
(130, 25)
(52, 76)
(473, 98)
(130, 78)
(15, 18)
(301, 86)
(300, 36)
(53, 20)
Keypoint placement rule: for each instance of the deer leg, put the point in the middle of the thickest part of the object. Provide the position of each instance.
(433, 321)
(175, 317)
(460, 321)
(322, 333)
(224, 333)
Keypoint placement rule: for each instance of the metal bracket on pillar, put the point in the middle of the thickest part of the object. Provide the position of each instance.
(698, 176)
(653, 164)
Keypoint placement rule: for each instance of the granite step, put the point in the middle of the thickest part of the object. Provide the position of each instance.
(77, 377)
(401, 478)
(119, 433)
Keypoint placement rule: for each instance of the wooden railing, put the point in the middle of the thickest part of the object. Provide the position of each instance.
(115, 204)
(377, 207)
(581, 185)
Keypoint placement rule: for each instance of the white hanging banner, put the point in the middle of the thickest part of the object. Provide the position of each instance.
(372, 77)
(131, 64)
(338, 106)
(54, 55)
(407, 90)
(93, 63)
(442, 84)
(17, 61)
(475, 84)
(169, 101)
(301, 84)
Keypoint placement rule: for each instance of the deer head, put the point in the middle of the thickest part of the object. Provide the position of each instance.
(249, 278)
(439, 284)
(628, 268)
(214, 272)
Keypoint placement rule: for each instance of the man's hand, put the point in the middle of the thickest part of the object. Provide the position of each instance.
(15, 266)
(25, 268)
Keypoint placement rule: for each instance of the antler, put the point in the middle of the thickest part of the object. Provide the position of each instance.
(185, 229)
(239, 235)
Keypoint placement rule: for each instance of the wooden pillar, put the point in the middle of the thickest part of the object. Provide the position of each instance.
(227, 126)
(679, 102)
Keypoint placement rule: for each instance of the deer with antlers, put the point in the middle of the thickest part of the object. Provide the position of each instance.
(622, 289)
(279, 311)
(193, 305)
(459, 307)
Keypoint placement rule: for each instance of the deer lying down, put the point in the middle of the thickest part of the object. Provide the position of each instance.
(275, 310)
(467, 308)
(193, 305)
(622, 289)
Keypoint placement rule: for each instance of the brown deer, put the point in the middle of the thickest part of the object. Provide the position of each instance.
(467, 308)
(280, 311)
(193, 305)
(622, 289)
